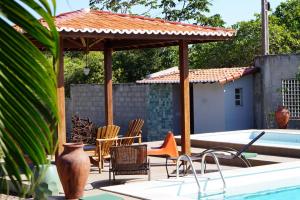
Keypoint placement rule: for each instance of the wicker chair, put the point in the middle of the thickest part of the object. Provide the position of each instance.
(134, 132)
(107, 136)
(129, 160)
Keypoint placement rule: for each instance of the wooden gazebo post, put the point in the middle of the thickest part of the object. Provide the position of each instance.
(61, 128)
(184, 97)
(108, 85)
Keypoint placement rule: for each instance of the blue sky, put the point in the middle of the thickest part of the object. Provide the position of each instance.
(231, 11)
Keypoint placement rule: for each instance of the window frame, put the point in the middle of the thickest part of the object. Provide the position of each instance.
(238, 92)
(290, 95)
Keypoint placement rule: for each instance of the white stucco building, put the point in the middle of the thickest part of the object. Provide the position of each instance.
(221, 98)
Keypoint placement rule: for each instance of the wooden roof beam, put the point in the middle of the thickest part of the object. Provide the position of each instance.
(96, 42)
(136, 43)
(83, 42)
(74, 42)
(156, 45)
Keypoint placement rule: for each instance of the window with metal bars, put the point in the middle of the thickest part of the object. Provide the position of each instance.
(290, 90)
(238, 94)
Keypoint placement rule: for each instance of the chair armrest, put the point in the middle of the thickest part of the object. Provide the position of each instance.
(131, 137)
(107, 139)
(248, 155)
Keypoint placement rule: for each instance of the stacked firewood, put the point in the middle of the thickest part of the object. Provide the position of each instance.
(83, 130)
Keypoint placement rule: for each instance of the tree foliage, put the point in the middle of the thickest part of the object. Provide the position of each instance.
(124, 6)
(288, 14)
(76, 61)
(241, 50)
(136, 64)
(192, 11)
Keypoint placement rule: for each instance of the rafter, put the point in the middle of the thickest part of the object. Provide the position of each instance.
(71, 40)
(96, 42)
(83, 42)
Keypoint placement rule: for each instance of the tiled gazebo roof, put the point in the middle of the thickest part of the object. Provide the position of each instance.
(93, 29)
(89, 21)
(220, 75)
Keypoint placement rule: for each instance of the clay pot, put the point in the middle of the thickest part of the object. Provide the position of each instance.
(73, 168)
(49, 184)
(282, 116)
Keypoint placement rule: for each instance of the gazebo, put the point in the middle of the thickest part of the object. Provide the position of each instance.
(95, 30)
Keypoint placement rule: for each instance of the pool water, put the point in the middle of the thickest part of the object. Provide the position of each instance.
(279, 194)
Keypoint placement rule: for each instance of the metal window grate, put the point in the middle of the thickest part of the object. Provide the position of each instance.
(291, 96)
(238, 96)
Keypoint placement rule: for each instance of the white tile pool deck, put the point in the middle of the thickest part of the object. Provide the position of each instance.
(96, 181)
(238, 181)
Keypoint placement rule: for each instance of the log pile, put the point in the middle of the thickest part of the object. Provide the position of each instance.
(83, 130)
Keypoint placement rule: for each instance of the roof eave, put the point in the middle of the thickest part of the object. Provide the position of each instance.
(191, 38)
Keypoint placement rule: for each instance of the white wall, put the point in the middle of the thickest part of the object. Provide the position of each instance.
(239, 117)
(208, 107)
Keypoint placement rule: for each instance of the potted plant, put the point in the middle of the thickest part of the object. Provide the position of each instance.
(48, 181)
(73, 167)
(282, 116)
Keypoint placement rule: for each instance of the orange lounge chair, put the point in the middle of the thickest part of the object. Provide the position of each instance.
(168, 148)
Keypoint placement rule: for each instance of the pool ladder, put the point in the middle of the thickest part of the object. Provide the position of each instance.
(188, 158)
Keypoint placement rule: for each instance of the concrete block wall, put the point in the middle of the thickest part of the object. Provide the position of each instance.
(130, 103)
(274, 68)
(87, 100)
(153, 103)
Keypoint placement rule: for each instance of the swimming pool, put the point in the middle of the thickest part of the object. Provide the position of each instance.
(251, 183)
(278, 194)
(275, 141)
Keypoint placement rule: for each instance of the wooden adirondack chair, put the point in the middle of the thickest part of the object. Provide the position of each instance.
(134, 132)
(107, 136)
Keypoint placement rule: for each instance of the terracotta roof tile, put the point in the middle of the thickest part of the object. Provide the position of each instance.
(221, 75)
(86, 20)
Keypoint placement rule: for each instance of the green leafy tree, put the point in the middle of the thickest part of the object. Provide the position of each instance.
(124, 6)
(288, 13)
(136, 64)
(236, 52)
(75, 63)
(189, 10)
(173, 10)
(28, 114)
(241, 50)
(288, 16)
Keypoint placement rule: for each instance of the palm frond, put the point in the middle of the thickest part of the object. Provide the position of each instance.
(28, 114)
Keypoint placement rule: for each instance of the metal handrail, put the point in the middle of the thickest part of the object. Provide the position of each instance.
(218, 165)
(191, 164)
